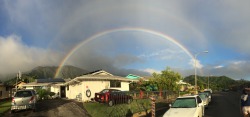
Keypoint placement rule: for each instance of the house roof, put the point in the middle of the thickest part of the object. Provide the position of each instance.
(99, 75)
(50, 80)
(36, 84)
(98, 72)
(132, 76)
(19, 83)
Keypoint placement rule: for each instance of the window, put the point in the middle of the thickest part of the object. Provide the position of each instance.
(115, 84)
(199, 99)
(23, 94)
(7, 88)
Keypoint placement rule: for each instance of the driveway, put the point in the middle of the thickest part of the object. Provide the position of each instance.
(54, 108)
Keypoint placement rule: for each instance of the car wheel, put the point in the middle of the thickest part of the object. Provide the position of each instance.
(34, 109)
(12, 111)
(111, 103)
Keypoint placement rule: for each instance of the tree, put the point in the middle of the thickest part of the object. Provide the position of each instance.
(167, 80)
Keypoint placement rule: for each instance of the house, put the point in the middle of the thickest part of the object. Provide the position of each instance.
(5, 91)
(183, 85)
(132, 76)
(84, 87)
(18, 85)
(136, 78)
(55, 85)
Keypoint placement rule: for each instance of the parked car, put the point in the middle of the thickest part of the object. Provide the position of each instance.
(112, 96)
(24, 99)
(209, 95)
(211, 91)
(187, 106)
(205, 99)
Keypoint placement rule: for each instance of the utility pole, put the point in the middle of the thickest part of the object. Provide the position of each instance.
(208, 82)
(16, 81)
(18, 76)
(195, 74)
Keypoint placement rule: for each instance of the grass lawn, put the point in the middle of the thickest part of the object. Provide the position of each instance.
(103, 110)
(4, 106)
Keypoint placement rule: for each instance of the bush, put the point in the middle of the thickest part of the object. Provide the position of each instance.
(43, 93)
(51, 93)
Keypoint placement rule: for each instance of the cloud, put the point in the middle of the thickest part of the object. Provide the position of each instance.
(196, 63)
(151, 71)
(218, 67)
(16, 55)
(233, 69)
(48, 30)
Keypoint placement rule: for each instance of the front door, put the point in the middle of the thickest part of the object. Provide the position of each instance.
(63, 92)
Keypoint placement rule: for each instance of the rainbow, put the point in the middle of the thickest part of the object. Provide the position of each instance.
(119, 30)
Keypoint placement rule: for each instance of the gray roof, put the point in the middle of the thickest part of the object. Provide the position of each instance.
(99, 75)
(50, 80)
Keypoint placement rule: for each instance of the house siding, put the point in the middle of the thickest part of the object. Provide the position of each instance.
(93, 86)
(4, 93)
(55, 89)
(73, 91)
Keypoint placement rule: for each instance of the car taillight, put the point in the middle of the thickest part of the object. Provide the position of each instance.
(13, 100)
(31, 99)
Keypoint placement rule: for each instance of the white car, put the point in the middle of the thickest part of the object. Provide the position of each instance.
(205, 99)
(208, 90)
(187, 106)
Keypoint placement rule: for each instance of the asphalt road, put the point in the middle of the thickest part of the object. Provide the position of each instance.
(54, 108)
(224, 104)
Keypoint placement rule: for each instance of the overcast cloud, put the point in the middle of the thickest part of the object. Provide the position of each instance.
(39, 33)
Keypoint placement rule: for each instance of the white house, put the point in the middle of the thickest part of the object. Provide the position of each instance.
(84, 87)
(55, 85)
(183, 85)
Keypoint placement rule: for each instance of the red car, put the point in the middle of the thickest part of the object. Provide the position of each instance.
(112, 96)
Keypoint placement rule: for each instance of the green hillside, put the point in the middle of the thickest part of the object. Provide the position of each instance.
(215, 82)
(46, 72)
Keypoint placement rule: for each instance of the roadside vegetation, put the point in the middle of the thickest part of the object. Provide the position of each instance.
(4, 106)
(138, 106)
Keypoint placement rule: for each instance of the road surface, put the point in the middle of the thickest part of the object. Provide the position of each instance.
(224, 104)
(54, 108)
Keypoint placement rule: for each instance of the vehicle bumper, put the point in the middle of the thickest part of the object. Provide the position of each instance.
(100, 100)
(22, 107)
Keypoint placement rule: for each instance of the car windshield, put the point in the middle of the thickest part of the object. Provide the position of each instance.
(184, 103)
(203, 96)
(23, 94)
(104, 91)
(207, 92)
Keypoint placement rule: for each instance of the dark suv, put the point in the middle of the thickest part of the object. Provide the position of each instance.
(112, 96)
(24, 99)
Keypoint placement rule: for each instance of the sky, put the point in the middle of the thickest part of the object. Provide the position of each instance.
(126, 36)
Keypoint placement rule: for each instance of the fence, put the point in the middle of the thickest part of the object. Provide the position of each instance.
(142, 103)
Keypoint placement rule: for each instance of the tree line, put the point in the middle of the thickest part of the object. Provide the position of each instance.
(167, 80)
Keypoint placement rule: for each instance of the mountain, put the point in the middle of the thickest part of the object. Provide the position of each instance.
(42, 72)
(215, 82)
(50, 71)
